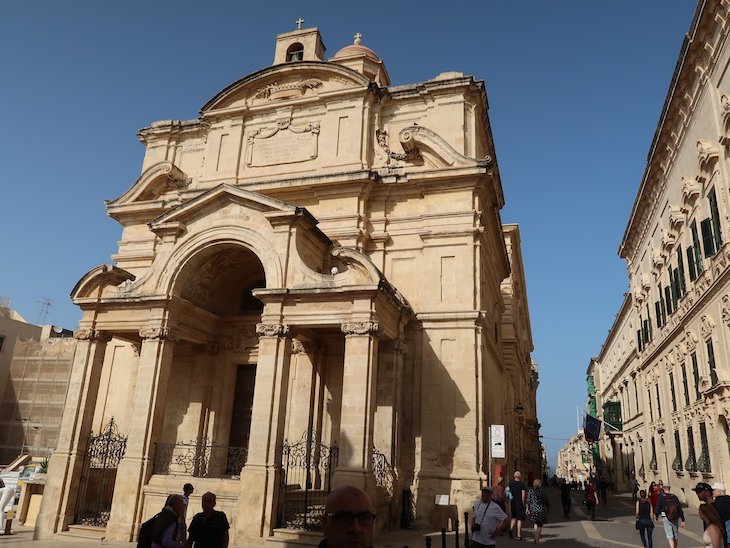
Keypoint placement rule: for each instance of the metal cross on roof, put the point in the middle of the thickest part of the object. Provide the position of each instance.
(299, 23)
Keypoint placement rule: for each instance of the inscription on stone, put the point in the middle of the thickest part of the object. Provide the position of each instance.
(282, 146)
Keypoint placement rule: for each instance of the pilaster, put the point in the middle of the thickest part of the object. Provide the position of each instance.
(256, 508)
(66, 465)
(146, 417)
(359, 382)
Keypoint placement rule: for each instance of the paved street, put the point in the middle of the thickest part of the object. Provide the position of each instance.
(614, 526)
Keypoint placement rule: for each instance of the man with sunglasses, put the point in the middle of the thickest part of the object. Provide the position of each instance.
(348, 519)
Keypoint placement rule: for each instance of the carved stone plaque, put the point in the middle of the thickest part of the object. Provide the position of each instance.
(282, 145)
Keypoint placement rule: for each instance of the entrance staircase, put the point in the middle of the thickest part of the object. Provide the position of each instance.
(82, 533)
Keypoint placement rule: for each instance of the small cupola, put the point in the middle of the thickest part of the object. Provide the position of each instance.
(299, 45)
(363, 60)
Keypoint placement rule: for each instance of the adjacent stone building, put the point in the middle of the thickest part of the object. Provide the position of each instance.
(313, 287)
(663, 376)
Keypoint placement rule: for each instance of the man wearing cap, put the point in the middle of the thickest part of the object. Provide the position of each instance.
(487, 520)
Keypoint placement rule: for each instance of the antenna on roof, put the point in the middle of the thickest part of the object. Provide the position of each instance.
(46, 304)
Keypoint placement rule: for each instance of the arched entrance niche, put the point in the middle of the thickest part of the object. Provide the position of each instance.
(207, 415)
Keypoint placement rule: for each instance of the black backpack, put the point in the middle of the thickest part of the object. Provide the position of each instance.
(146, 531)
(671, 507)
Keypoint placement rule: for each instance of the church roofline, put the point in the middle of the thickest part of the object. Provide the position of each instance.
(286, 67)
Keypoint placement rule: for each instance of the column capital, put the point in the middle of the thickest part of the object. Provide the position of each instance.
(361, 328)
(272, 329)
(92, 335)
(158, 333)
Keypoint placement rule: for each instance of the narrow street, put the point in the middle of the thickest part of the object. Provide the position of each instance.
(613, 527)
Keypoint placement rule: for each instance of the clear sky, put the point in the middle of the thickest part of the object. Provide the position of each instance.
(575, 91)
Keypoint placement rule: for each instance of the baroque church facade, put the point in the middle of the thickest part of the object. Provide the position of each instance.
(662, 379)
(313, 287)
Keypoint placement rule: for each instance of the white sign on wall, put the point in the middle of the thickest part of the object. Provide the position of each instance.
(496, 435)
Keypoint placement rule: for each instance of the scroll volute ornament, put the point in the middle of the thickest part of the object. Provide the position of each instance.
(361, 328)
(725, 114)
(86, 334)
(158, 333)
(272, 329)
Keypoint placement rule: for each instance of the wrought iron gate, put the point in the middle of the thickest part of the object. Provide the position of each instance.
(307, 466)
(100, 473)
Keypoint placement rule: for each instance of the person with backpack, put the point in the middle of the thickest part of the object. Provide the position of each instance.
(670, 510)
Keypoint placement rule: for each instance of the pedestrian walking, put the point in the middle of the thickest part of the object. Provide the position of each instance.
(165, 531)
(537, 507)
(209, 528)
(634, 489)
(591, 499)
(487, 521)
(670, 510)
(653, 495)
(517, 495)
(644, 521)
(565, 498)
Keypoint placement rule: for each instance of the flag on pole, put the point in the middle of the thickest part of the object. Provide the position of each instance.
(591, 428)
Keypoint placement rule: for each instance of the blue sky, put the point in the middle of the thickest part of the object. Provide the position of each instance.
(575, 91)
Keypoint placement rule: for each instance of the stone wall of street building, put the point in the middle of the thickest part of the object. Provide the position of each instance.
(316, 259)
(663, 374)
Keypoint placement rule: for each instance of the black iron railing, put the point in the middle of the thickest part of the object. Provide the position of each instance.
(383, 471)
(199, 459)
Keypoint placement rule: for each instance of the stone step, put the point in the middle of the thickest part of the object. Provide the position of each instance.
(294, 537)
(82, 533)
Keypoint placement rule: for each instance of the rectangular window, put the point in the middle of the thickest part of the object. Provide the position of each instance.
(685, 385)
(2, 340)
(639, 340)
(650, 406)
(696, 251)
(696, 375)
(671, 389)
(691, 464)
(668, 299)
(658, 402)
(711, 362)
(691, 264)
(708, 238)
(715, 216)
(680, 273)
(704, 463)
(677, 464)
(636, 396)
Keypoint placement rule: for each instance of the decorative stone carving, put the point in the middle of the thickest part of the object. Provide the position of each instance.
(297, 347)
(725, 115)
(158, 333)
(645, 281)
(382, 137)
(708, 154)
(361, 328)
(91, 335)
(690, 191)
(726, 309)
(690, 340)
(283, 144)
(676, 218)
(657, 259)
(272, 329)
(669, 238)
(707, 324)
(290, 89)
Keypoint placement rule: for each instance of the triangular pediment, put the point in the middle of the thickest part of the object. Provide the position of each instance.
(285, 82)
(215, 198)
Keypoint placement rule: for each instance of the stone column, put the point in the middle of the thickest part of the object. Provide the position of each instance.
(66, 464)
(359, 382)
(256, 510)
(145, 422)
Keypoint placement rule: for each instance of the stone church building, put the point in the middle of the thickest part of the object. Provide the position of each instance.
(313, 287)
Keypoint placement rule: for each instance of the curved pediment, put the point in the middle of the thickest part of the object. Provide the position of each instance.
(155, 180)
(286, 81)
(98, 278)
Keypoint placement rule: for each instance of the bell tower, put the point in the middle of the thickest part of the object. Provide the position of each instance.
(299, 45)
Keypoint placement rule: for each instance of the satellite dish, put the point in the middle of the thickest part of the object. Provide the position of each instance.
(57, 329)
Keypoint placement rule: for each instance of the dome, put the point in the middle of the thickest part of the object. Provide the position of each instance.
(356, 50)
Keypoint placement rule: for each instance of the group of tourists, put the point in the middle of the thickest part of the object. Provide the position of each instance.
(658, 504)
(500, 506)
(168, 528)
